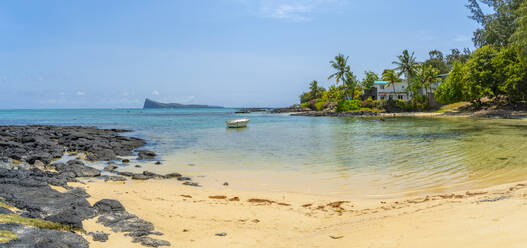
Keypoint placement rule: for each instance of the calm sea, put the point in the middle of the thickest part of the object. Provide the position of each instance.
(384, 156)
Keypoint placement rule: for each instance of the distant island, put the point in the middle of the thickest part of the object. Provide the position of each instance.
(150, 104)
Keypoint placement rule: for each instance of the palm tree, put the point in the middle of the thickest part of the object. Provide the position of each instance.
(315, 90)
(343, 72)
(340, 64)
(392, 77)
(407, 66)
(427, 75)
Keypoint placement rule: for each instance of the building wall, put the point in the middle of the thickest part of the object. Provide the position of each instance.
(386, 93)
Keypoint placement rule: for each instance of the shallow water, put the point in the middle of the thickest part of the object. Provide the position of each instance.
(400, 155)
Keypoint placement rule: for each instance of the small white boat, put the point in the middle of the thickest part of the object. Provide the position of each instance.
(238, 123)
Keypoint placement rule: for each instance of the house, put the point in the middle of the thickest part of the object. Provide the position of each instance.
(387, 92)
(396, 91)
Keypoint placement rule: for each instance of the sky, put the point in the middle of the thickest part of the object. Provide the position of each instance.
(234, 53)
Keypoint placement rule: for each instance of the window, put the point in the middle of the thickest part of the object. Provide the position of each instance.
(400, 97)
(382, 97)
(382, 87)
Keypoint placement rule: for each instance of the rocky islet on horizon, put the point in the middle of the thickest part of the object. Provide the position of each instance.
(33, 214)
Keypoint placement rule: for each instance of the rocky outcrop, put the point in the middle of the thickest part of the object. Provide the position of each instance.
(45, 143)
(55, 217)
(150, 104)
(292, 109)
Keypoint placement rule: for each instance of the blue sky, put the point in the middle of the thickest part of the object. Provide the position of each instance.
(97, 54)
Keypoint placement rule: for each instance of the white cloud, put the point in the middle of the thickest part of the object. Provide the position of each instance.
(291, 10)
(125, 94)
(81, 93)
(155, 93)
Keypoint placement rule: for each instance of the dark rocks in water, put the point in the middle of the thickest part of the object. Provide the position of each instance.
(125, 161)
(138, 166)
(108, 206)
(292, 109)
(221, 234)
(172, 175)
(158, 162)
(99, 236)
(45, 143)
(145, 154)
(29, 237)
(225, 184)
(110, 167)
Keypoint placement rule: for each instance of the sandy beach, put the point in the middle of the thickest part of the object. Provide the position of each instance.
(192, 216)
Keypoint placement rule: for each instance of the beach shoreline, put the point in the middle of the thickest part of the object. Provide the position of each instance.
(130, 206)
(192, 217)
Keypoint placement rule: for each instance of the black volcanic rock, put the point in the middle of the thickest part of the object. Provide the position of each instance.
(150, 104)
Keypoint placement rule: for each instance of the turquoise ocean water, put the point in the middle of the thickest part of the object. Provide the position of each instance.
(408, 152)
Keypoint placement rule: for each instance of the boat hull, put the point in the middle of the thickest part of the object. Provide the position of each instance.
(240, 123)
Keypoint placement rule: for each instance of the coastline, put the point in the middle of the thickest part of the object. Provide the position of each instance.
(191, 217)
(483, 114)
(159, 210)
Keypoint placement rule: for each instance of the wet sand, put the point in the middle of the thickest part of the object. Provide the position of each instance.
(191, 216)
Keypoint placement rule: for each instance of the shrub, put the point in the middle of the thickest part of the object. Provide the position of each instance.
(348, 105)
(370, 103)
(320, 105)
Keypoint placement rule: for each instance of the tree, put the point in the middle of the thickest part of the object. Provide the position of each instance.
(437, 61)
(343, 73)
(407, 65)
(369, 79)
(496, 27)
(452, 90)
(426, 76)
(305, 97)
(457, 56)
(340, 64)
(316, 91)
(392, 77)
(519, 38)
(492, 72)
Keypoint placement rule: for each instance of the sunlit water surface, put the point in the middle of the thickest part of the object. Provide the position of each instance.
(361, 156)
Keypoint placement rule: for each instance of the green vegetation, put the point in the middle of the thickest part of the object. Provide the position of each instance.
(34, 222)
(452, 107)
(6, 236)
(496, 71)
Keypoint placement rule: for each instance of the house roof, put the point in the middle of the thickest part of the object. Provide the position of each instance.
(381, 82)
